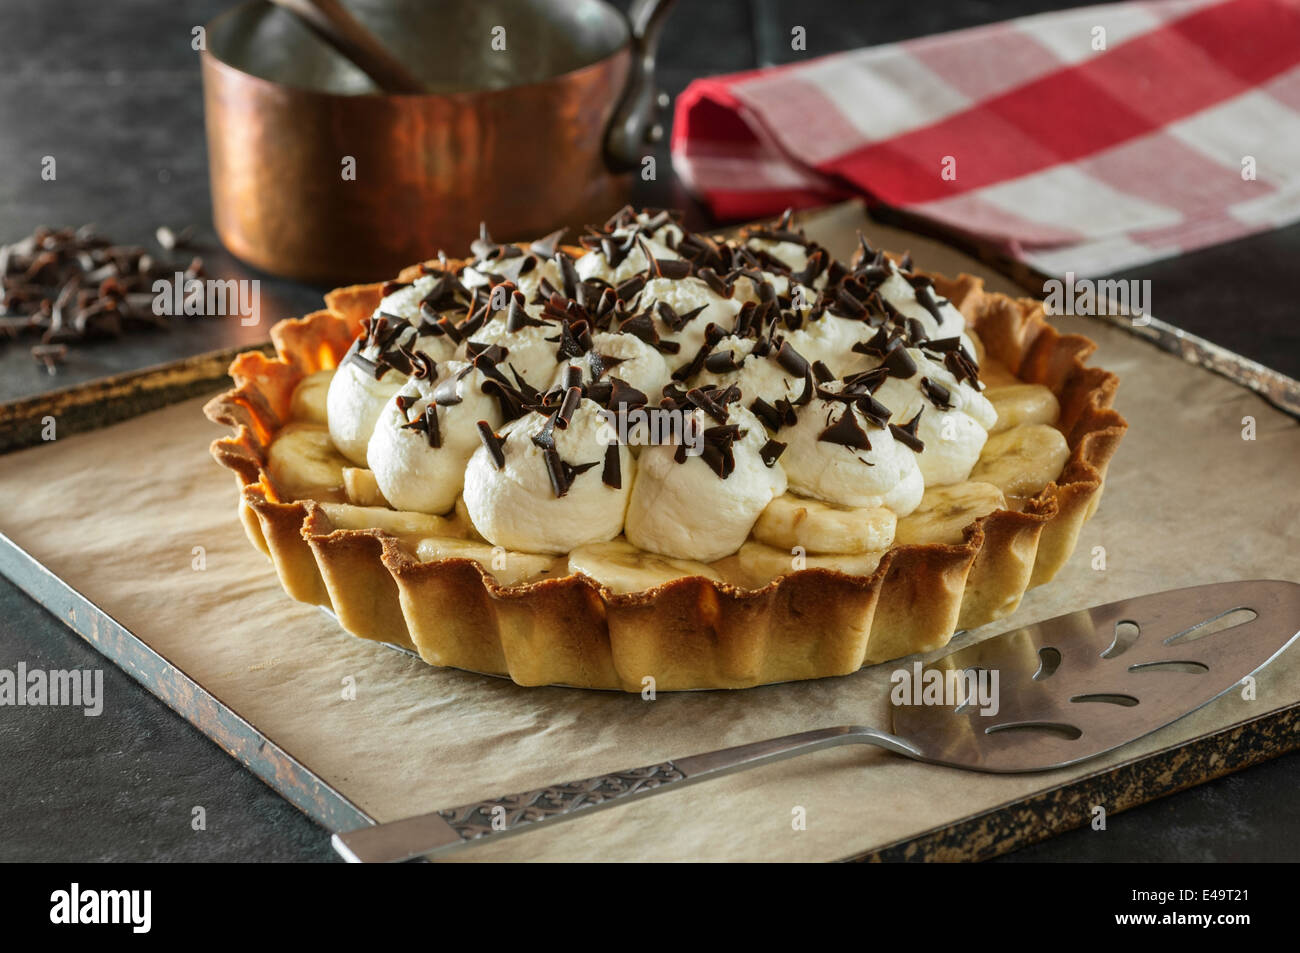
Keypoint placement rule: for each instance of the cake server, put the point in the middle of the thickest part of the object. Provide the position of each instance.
(1039, 697)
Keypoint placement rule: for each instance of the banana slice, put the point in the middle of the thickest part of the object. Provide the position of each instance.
(761, 563)
(977, 344)
(506, 566)
(397, 522)
(620, 566)
(460, 516)
(362, 488)
(947, 510)
(303, 463)
(790, 521)
(308, 402)
(996, 374)
(1020, 404)
(1022, 460)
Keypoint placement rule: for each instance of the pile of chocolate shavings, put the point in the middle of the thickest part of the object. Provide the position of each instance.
(68, 286)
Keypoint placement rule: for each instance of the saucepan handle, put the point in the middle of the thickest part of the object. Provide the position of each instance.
(636, 119)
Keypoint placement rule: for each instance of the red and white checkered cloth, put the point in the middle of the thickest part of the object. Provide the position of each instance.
(1067, 157)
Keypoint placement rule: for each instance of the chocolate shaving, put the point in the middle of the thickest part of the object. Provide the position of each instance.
(673, 268)
(674, 321)
(718, 452)
(722, 362)
(774, 417)
(445, 394)
(623, 394)
(493, 442)
(960, 364)
(878, 345)
(555, 470)
(915, 333)
(771, 451)
(792, 361)
(380, 333)
(846, 432)
(517, 318)
(572, 398)
(706, 400)
(866, 381)
(422, 366)
(485, 249)
(602, 364)
(612, 474)
(712, 335)
(925, 297)
(642, 327)
(898, 362)
(943, 345)
(427, 423)
(547, 247)
(873, 410)
(545, 438)
(560, 473)
(574, 340)
(569, 274)
(939, 395)
(715, 283)
(629, 289)
(906, 434)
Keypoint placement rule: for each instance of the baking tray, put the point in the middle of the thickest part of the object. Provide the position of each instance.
(980, 835)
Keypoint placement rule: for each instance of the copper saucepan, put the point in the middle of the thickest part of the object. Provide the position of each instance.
(317, 175)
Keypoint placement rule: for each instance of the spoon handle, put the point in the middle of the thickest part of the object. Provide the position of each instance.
(331, 21)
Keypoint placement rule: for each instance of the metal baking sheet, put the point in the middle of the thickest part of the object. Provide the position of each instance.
(978, 836)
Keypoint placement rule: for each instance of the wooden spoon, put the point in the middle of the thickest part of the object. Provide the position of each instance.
(331, 21)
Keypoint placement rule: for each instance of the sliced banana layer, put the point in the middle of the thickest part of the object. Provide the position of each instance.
(790, 521)
(309, 397)
(760, 563)
(361, 487)
(397, 522)
(1022, 460)
(620, 566)
(506, 566)
(947, 510)
(464, 525)
(996, 374)
(1020, 404)
(303, 463)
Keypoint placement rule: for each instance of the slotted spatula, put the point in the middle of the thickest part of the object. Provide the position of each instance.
(1039, 697)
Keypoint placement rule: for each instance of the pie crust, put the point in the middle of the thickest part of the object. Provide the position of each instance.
(689, 633)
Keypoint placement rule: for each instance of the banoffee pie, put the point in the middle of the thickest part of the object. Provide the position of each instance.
(711, 462)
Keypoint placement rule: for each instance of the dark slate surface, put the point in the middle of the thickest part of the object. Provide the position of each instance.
(112, 91)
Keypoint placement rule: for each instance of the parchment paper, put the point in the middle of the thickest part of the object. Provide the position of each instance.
(118, 513)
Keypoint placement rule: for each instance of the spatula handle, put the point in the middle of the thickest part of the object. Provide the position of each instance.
(441, 831)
